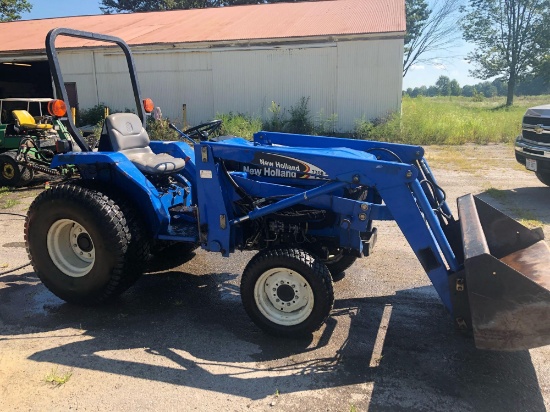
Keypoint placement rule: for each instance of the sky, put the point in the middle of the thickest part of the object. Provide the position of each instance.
(451, 64)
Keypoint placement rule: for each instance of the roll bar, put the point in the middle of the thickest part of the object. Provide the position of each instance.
(55, 69)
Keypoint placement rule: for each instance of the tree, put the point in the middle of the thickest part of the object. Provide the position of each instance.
(510, 36)
(429, 31)
(455, 88)
(432, 91)
(128, 6)
(11, 9)
(468, 91)
(443, 85)
(416, 13)
(489, 90)
(543, 70)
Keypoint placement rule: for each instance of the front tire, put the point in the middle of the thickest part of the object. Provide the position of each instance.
(544, 177)
(84, 247)
(11, 173)
(287, 292)
(338, 262)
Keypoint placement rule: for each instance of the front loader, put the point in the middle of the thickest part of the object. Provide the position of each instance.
(307, 204)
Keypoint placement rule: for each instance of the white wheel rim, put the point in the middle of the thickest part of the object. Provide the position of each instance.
(71, 248)
(284, 296)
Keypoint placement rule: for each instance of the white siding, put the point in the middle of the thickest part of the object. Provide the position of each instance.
(370, 79)
(350, 78)
(79, 68)
(249, 80)
(172, 79)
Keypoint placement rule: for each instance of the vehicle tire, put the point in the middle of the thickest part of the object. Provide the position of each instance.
(11, 173)
(85, 247)
(287, 292)
(338, 263)
(544, 177)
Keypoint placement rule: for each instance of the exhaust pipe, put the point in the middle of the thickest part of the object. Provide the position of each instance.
(506, 278)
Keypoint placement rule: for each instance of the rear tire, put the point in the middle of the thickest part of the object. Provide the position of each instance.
(84, 247)
(11, 173)
(544, 177)
(287, 292)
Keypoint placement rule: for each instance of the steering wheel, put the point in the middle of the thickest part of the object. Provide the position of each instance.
(202, 130)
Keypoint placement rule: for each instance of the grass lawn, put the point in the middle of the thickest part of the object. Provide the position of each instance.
(456, 120)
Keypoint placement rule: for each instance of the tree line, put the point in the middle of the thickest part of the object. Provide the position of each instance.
(530, 86)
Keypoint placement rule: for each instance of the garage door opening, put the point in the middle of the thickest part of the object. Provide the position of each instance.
(25, 79)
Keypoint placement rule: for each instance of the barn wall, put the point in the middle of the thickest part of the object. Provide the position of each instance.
(350, 78)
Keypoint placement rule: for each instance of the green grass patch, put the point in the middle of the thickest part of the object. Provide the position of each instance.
(526, 218)
(58, 379)
(497, 194)
(9, 203)
(450, 121)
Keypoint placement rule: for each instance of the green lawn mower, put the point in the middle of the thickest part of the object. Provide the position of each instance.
(29, 142)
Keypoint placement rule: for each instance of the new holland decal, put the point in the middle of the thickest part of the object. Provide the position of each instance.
(273, 165)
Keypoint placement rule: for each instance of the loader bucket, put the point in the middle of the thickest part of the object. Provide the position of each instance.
(507, 278)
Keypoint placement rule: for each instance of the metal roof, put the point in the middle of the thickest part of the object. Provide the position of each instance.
(250, 22)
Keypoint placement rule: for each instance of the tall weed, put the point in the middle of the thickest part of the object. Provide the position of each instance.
(160, 130)
(237, 124)
(451, 121)
(300, 118)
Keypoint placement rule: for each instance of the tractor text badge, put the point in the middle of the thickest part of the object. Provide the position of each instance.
(273, 165)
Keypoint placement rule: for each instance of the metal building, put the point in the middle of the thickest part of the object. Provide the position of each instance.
(344, 55)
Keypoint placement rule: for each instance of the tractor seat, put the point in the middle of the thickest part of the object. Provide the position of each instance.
(127, 136)
(25, 120)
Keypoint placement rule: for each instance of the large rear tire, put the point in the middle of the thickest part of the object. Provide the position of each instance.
(287, 292)
(11, 173)
(84, 247)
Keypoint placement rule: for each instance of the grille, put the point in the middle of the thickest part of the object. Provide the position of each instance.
(545, 121)
(539, 138)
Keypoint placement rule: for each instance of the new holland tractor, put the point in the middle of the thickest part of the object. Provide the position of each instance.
(28, 143)
(306, 204)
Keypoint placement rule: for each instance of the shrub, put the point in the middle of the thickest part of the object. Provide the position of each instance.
(276, 121)
(93, 115)
(238, 124)
(326, 125)
(362, 129)
(300, 119)
(477, 96)
(160, 129)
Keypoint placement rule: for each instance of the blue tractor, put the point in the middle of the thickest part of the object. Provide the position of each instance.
(306, 204)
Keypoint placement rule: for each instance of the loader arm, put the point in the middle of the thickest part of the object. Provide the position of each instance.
(405, 200)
